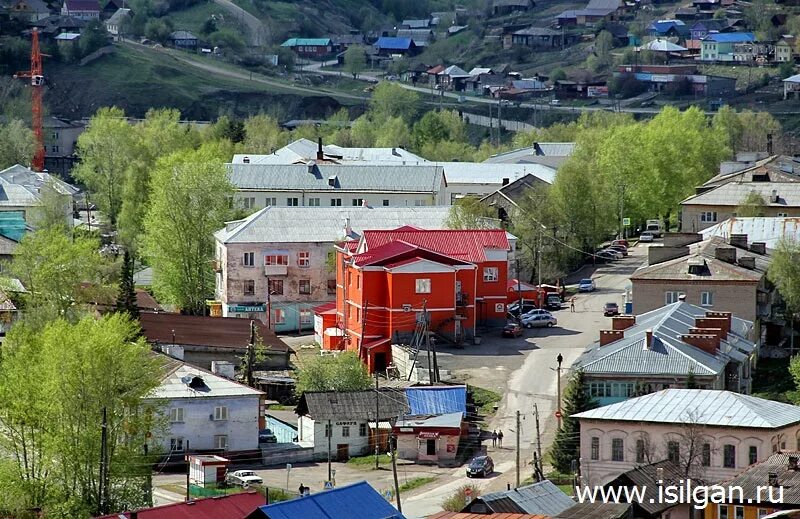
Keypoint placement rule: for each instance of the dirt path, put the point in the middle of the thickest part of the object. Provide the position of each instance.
(259, 34)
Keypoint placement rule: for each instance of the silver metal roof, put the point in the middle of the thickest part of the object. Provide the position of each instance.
(732, 194)
(769, 230)
(176, 385)
(493, 173)
(706, 406)
(543, 498)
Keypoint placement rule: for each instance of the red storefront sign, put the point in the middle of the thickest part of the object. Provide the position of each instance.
(428, 435)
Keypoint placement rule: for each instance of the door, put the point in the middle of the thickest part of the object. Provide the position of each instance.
(343, 452)
(380, 362)
(221, 471)
(430, 448)
(458, 292)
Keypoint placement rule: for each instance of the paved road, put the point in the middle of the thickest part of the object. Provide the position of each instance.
(257, 30)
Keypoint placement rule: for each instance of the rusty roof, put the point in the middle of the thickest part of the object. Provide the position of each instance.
(755, 478)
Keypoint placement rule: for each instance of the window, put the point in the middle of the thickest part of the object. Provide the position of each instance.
(276, 259)
(55, 149)
(723, 512)
(706, 298)
(385, 203)
(303, 259)
(221, 441)
(595, 454)
(362, 429)
(705, 459)
(639, 451)
(781, 215)
(673, 452)
(54, 135)
(331, 287)
(275, 287)
(271, 201)
(249, 259)
(762, 512)
(328, 430)
(672, 297)
(176, 414)
(617, 450)
(358, 201)
(278, 316)
(306, 317)
(304, 287)
(220, 413)
(708, 216)
(729, 456)
(345, 431)
(313, 202)
(738, 512)
(420, 203)
(248, 202)
(176, 444)
(424, 286)
(491, 274)
(249, 287)
(336, 202)
(752, 455)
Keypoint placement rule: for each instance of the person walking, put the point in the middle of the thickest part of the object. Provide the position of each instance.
(572, 304)
(494, 439)
(500, 439)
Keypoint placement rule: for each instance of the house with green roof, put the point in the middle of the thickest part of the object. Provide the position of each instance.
(309, 47)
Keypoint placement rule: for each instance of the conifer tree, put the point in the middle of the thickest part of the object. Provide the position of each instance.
(566, 446)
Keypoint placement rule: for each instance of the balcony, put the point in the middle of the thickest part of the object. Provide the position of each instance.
(275, 270)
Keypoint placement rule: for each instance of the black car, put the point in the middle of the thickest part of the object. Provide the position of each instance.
(527, 306)
(553, 302)
(611, 309)
(480, 466)
(267, 436)
(511, 330)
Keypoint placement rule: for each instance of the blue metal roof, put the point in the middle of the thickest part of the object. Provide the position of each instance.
(356, 500)
(731, 37)
(435, 400)
(387, 42)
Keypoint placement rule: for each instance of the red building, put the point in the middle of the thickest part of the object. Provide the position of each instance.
(388, 282)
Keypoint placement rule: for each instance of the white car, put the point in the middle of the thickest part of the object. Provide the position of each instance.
(244, 478)
(586, 285)
(646, 237)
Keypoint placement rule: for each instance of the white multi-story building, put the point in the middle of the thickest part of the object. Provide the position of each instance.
(205, 411)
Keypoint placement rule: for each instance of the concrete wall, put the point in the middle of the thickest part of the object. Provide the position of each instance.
(736, 297)
(410, 447)
(599, 472)
(241, 427)
(313, 433)
(373, 199)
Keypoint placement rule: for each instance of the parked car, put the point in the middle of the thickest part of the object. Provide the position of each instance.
(611, 309)
(267, 436)
(555, 102)
(511, 330)
(619, 248)
(480, 466)
(586, 285)
(612, 252)
(553, 302)
(536, 311)
(646, 236)
(527, 306)
(605, 255)
(244, 478)
(539, 320)
(620, 242)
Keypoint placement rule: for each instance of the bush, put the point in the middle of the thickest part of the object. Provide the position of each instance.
(458, 499)
(626, 85)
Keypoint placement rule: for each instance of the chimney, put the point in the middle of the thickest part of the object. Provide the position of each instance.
(758, 247)
(773, 198)
(706, 342)
(726, 254)
(347, 229)
(772, 479)
(748, 262)
(364, 203)
(394, 152)
(622, 322)
(738, 240)
(726, 315)
(223, 368)
(505, 181)
(792, 462)
(659, 475)
(682, 298)
(707, 331)
(246, 160)
(648, 339)
(320, 154)
(719, 323)
(609, 336)
(769, 144)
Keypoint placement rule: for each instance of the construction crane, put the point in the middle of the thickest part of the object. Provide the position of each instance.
(37, 90)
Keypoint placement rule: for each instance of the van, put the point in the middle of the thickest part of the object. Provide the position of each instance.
(654, 227)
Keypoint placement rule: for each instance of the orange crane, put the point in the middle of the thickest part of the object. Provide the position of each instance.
(37, 90)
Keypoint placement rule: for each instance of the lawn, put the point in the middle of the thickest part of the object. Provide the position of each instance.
(411, 484)
(193, 18)
(369, 460)
(484, 399)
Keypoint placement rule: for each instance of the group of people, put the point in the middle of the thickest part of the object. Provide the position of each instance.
(497, 439)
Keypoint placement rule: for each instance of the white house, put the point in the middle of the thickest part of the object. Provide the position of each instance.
(205, 411)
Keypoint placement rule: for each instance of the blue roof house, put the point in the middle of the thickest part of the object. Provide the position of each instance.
(356, 500)
(668, 28)
(387, 45)
(723, 46)
(435, 400)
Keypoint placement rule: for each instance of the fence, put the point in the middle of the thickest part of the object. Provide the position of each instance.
(491, 122)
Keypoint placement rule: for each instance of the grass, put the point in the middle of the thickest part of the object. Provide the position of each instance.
(411, 484)
(484, 399)
(193, 18)
(742, 73)
(175, 488)
(771, 380)
(279, 407)
(369, 460)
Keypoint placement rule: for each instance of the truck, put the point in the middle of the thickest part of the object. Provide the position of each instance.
(654, 227)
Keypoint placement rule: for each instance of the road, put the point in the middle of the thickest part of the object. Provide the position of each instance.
(257, 31)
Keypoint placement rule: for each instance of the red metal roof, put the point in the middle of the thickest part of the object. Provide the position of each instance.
(396, 253)
(465, 245)
(470, 515)
(350, 245)
(234, 506)
(325, 308)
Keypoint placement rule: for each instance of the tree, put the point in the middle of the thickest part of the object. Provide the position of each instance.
(344, 372)
(566, 447)
(692, 440)
(81, 370)
(784, 273)
(93, 37)
(751, 205)
(393, 133)
(188, 202)
(158, 30)
(758, 128)
(355, 60)
(470, 213)
(603, 45)
(17, 144)
(727, 124)
(456, 501)
(392, 100)
(263, 134)
(126, 296)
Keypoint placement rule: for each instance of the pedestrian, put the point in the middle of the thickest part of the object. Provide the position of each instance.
(500, 439)
(494, 439)
(302, 490)
(572, 304)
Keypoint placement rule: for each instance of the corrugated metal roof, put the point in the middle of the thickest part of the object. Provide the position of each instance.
(314, 42)
(470, 515)
(326, 224)
(466, 245)
(176, 385)
(232, 506)
(755, 478)
(730, 37)
(769, 230)
(709, 407)
(541, 149)
(437, 399)
(589, 510)
(343, 405)
(648, 478)
(356, 500)
(539, 498)
(386, 42)
(668, 355)
(427, 420)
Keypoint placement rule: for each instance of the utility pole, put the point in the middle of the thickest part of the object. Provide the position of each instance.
(251, 354)
(101, 498)
(559, 359)
(622, 211)
(519, 287)
(330, 434)
(538, 441)
(518, 427)
(426, 336)
(269, 305)
(377, 421)
(363, 324)
(148, 484)
(393, 448)
(188, 469)
(499, 120)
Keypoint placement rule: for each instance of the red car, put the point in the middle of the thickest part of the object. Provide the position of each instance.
(620, 242)
(512, 330)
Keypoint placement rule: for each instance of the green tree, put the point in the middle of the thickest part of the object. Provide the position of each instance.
(55, 207)
(470, 213)
(355, 60)
(393, 133)
(728, 125)
(126, 295)
(757, 129)
(157, 29)
(263, 134)
(81, 370)
(392, 100)
(93, 37)
(751, 205)
(456, 501)
(188, 202)
(603, 45)
(566, 447)
(344, 372)
(784, 273)
(17, 144)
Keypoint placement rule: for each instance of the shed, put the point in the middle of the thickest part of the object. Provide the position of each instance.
(183, 40)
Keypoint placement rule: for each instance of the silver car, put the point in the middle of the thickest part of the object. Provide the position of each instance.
(539, 320)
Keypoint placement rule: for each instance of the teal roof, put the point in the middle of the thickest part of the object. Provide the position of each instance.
(312, 42)
(12, 224)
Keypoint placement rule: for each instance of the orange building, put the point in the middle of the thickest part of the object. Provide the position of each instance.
(390, 280)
